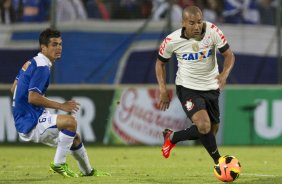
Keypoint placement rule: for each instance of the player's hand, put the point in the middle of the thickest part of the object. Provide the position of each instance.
(221, 80)
(164, 101)
(70, 106)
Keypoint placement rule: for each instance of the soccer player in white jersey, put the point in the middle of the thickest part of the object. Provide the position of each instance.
(198, 81)
(34, 123)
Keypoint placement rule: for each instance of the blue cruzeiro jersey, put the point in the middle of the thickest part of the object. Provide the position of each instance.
(33, 76)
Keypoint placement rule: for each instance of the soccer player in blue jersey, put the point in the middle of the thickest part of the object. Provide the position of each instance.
(198, 81)
(34, 123)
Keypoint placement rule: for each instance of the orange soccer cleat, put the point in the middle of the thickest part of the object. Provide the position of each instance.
(167, 146)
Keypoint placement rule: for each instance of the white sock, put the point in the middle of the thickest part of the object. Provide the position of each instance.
(80, 155)
(65, 141)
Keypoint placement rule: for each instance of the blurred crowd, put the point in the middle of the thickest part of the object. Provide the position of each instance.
(217, 11)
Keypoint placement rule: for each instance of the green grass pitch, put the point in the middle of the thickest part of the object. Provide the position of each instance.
(141, 164)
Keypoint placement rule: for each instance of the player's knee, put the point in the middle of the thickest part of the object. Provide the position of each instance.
(204, 130)
(77, 140)
(203, 124)
(204, 127)
(71, 123)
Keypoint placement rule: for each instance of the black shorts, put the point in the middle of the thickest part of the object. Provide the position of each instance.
(193, 100)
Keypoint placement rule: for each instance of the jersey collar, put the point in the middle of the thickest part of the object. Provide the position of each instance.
(45, 59)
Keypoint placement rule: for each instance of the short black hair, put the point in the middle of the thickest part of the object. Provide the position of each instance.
(48, 33)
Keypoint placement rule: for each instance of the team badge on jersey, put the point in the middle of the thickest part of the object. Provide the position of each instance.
(25, 66)
(189, 105)
(195, 47)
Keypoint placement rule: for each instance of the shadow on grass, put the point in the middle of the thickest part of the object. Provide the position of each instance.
(20, 180)
(260, 180)
(26, 179)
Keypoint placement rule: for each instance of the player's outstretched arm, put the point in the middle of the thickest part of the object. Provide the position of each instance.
(40, 100)
(161, 78)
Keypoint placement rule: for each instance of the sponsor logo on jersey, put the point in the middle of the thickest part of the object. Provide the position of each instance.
(163, 45)
(197, 55)
(219, 32)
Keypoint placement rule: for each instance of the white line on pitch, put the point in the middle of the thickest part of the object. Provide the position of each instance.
(253, 174)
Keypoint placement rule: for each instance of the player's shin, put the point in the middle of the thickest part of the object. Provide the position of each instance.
(209, 142)
(80, 155)
(190, 133)
(64, 144)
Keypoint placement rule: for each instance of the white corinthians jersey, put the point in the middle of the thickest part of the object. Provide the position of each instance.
(197, 63)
